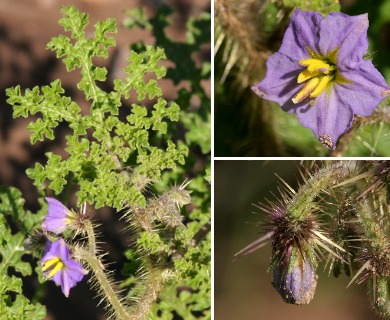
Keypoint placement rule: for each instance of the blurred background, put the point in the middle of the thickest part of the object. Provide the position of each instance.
(246, 33)
(26, 26)
(243, 288)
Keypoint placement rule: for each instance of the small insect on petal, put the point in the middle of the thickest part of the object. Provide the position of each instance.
(326, 140)
(385, 93)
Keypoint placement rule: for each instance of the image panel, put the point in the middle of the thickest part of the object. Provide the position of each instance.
(301, 240)
(105, 160)
(302, 78)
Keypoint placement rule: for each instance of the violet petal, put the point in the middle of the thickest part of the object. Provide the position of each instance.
(71, 271)
(367, 85)
(57, 217)
(347, 34)
(326, 118)
(298, 286)
(280, 83)
(302, 33)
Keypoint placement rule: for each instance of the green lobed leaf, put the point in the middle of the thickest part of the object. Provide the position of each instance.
(19, 307)
(53, 106)
(13, 305)
(196, 122)
(11, 243)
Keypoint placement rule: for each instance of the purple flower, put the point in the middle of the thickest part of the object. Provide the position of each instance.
(296, 283)
(319, 73)
(58, 265)
(58, 217)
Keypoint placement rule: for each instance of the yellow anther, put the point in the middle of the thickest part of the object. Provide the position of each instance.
(319, 66)
(306, 75)
(306, 62)
(55, 263)
(59, 266)
(317, 76)
(306, 90)
(49, 263)
(316, 65)
(321, 86)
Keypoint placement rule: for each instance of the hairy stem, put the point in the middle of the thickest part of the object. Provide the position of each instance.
(105, 286)
(370, 223)
(380, 295)
(201, 234)
(154, 282)
(302, 202)
(91, 236)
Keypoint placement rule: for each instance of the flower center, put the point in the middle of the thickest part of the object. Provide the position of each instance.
(55, 264)
(318, 74)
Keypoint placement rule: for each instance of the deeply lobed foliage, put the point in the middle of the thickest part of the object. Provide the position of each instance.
(94, 159)
(130, 162)
(13, 266)
(193, 269)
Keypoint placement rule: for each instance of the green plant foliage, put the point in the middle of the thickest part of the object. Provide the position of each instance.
(93, 162)
(188, 293)
(19, 307)
(13, 305)
(196, 121)
(314, 5)
(131, 162)
(192, 271)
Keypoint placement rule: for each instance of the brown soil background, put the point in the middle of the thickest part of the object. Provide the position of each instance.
(26, 26)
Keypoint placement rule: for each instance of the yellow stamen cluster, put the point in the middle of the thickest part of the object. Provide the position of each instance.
(319, 73)
(55, 263)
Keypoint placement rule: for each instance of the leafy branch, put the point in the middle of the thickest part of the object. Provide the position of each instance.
(117, 161)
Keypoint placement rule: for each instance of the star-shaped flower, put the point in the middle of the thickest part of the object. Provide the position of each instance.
(319, 73)
(58, 217)
(59, 266)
